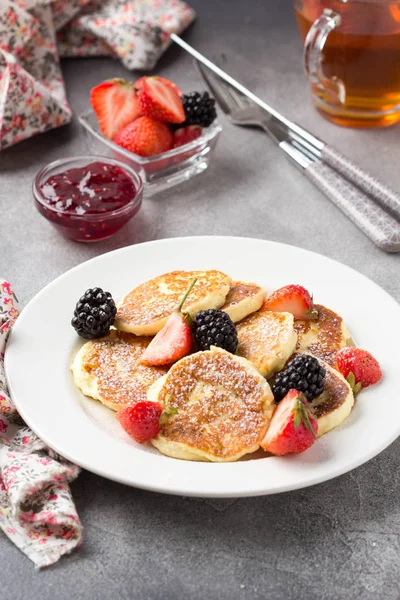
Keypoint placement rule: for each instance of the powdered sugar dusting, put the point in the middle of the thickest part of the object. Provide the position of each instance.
(157, 298)
(223, 405)
(267, 339)
(114, 362)
(335, 394)
(240, 290)
(322, 338)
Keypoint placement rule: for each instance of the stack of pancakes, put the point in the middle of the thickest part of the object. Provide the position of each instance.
(219, 405)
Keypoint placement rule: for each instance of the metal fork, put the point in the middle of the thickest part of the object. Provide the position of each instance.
(382, 228)
(241, 111)
(388, 199)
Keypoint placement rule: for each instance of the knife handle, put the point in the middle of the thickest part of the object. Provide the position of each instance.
(369, 184)
(378, 225)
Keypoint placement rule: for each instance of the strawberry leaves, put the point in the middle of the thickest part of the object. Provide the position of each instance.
(302, 414)
(351, 380)
(169, 411)
(293, 427)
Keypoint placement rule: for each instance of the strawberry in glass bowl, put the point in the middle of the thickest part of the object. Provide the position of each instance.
(165, 135)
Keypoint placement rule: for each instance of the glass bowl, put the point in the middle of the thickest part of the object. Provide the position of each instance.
(86, 227)
(164, 170)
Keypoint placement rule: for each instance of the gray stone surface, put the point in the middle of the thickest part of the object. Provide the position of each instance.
(338, 540)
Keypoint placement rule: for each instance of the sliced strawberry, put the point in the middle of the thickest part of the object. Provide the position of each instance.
(168, 82)
(160, 101)
(141, 421)
(145, 137)
(293, 427)
(173, 341)
(184, 135)
(294, 299)
(359, 367)
(116, 103)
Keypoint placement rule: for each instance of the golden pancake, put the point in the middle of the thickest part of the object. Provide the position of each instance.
(145, 310)
(108, 370)
(218, 407)
(334, 405)
(324, 337)
(243, 299)
(267, 339)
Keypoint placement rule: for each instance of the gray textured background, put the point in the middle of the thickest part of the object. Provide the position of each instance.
(338, 540)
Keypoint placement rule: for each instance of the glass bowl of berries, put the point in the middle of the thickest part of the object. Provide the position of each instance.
(88, 198)
(150, 125)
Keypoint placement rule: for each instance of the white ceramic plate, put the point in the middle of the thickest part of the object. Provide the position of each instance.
(43, 343)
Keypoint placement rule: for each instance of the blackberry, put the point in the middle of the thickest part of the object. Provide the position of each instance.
(199, 109)
(214, 328)
(303, 373)
(94, 314)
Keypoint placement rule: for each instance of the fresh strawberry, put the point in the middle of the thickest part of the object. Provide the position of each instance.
(358, 366)
(171, 84)
(184, 135)
(141, 421)
(160, 101)
(145, 137)
(116, 103)
(294, 299)
(293, 427)
(173, 341)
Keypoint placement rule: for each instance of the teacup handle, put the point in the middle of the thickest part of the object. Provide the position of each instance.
(313, 64)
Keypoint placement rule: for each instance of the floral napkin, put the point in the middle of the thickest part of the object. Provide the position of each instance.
(34, 33)
(37, 512)
(32, 92)
(137, 31)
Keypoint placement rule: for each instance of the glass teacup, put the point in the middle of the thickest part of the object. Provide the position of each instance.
(352, 59)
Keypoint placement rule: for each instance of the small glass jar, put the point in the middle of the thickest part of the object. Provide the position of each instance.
(86, 227)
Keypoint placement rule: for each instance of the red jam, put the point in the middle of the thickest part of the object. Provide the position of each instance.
(82, 201)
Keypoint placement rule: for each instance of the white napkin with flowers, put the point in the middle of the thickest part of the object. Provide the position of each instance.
(37, 511)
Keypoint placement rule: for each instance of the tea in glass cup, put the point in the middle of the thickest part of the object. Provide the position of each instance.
(352, 59)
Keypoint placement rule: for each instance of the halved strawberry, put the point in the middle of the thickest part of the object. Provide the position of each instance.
(145, 136)
(116, 103)
(168, 82)
(294, 299)
(173, 341)
(159, 101)
(141, 421)
(187, 134)
(293, 427)
(359, 367)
